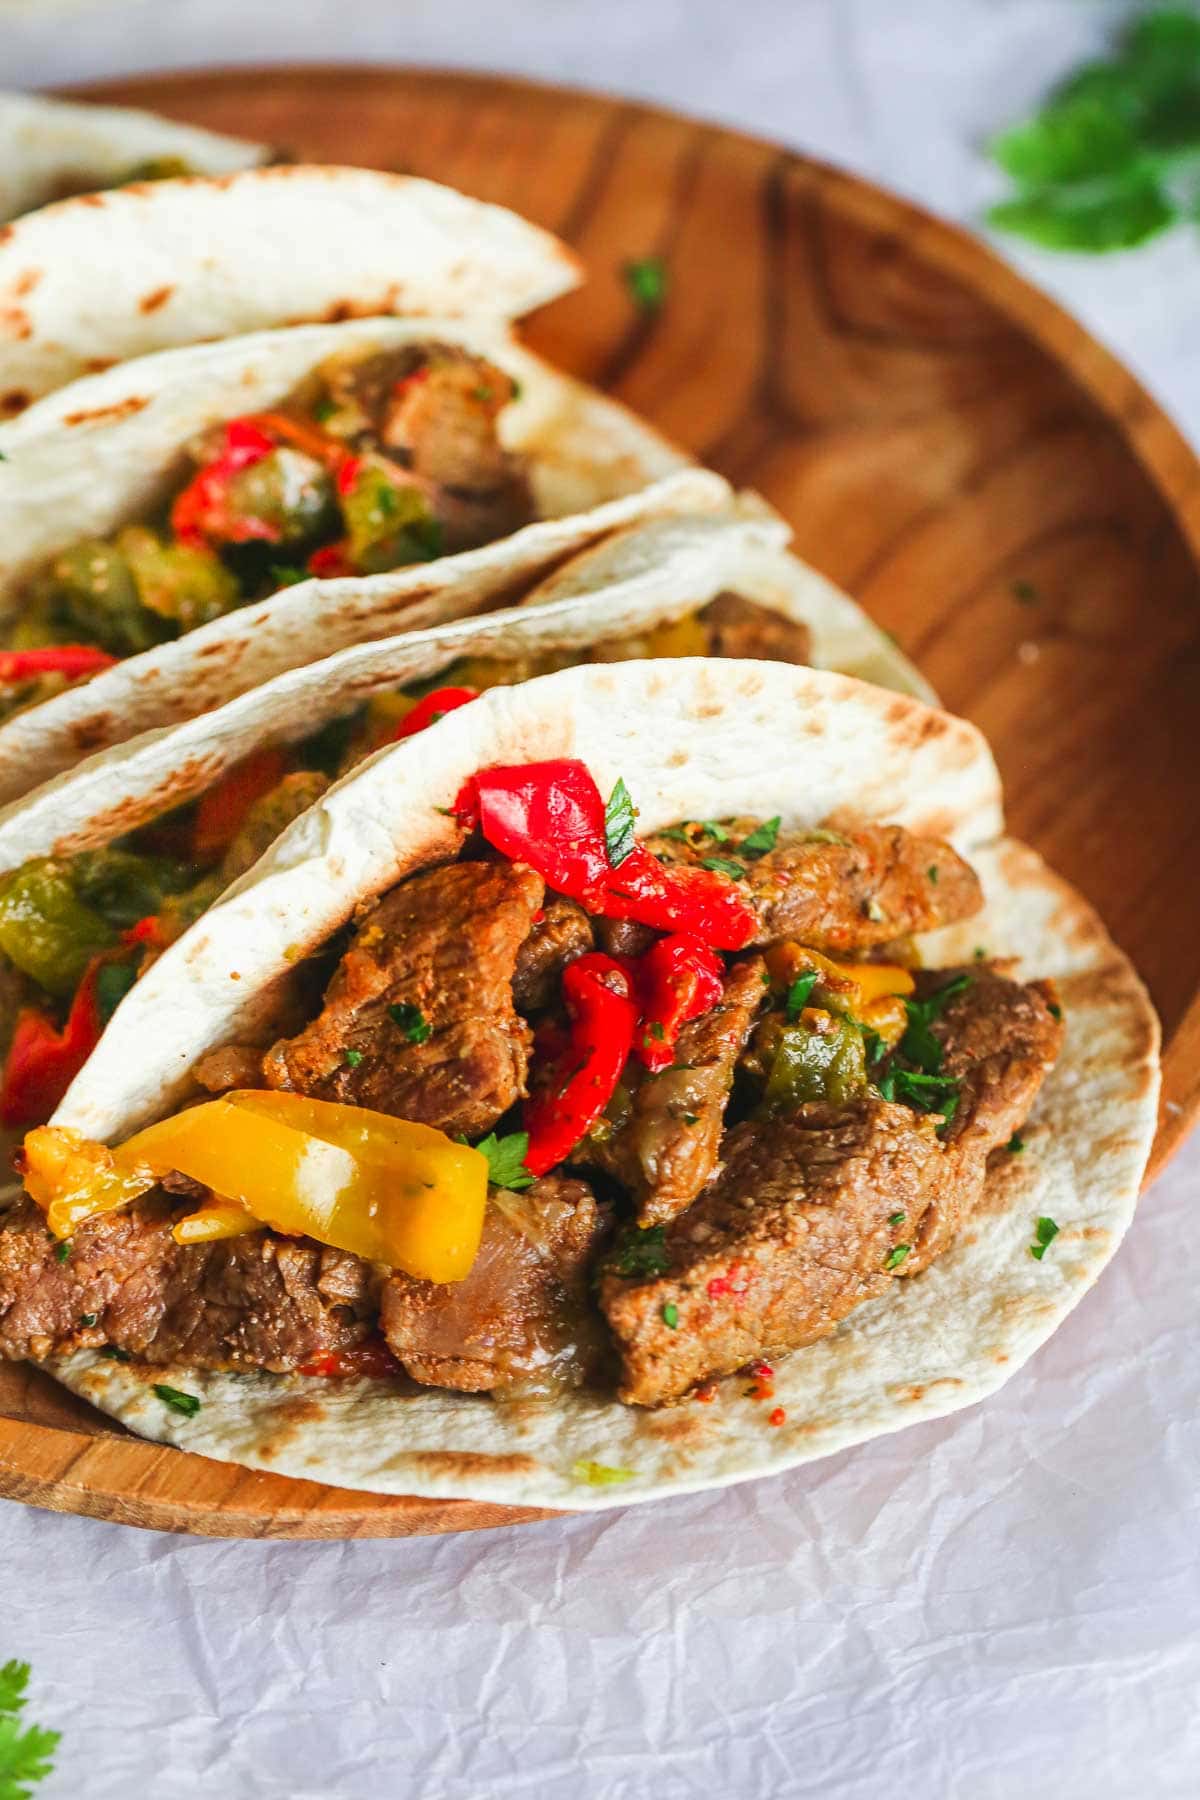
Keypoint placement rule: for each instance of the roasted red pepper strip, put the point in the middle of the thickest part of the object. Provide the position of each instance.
(222, 809)
(331, 562)
(598, 997)
(372, 1359)
(677, 979)
(551, 816)
(200, 512)
(428, 711)
(71, 660)
(43, 1061)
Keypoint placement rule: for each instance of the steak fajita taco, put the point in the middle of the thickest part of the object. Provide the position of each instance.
(188, 259)
(652, 1075)
(104, 867)
(53, 149)
(188, 525)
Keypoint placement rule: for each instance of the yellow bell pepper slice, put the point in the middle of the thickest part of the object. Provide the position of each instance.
(847, 986)
(383, 1188)
(215, 1219)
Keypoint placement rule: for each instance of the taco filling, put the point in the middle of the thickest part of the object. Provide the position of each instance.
(575, 1107)
(76, 931)
(387, 459)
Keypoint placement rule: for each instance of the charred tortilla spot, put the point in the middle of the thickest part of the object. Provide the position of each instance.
(287, 1422)
(25, 284)
(15, 323)
(157, 298)
(14, 401)
(97, 415)
(469, 1463)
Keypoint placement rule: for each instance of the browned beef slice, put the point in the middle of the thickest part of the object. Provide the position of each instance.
(512, 1319)
(667, 1148)
(258, 1301)
(437, 952)
(841, 892)
(562, 933)
(623, 937)
(739, 627)
(794, 1231)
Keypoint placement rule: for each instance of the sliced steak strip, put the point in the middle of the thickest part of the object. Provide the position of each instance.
(796, 1228)
(562, 933)
(515, 1317)
(259, 1301)
(423, 1003)
(736, 626)
(666, 1148)
(840, 892)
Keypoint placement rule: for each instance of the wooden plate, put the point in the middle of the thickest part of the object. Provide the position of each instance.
(948, 445)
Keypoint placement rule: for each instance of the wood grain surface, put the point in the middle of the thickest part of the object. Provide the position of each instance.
(949, 446)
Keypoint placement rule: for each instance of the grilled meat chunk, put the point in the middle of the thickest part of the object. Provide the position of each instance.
(515, 1318)
(259, 1301)
(423, 1003)
(840, 892)
(736, 626)
(665, 1147)
(797, 1227)
(562, 933)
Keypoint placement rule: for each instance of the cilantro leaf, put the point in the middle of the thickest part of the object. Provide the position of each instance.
(798, 993)
(411, 1020)
(762, 839)
(177, 1400)
(25, 1753)
(722, 865)
(918, 1045)
(1045, 1233)
(926, 1093)
(620, 834)
(287, 574)
(1070, 140)
(647, 282)
(506, 1160)
(641, 1252)
(1120, 217)
(895, 1257)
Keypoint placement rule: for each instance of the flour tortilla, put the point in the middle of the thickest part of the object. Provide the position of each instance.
(105, 451)
(158, 264)
(49, 148)
(640, 577)
(702, 738)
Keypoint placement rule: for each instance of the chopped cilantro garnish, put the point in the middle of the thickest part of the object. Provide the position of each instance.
(324, 410)
(24, 1754)
(895, 1219)
(506, 1160)
(599, 1475)
(709, 828)
(353, 1058)
(641, 1252)
(1015, 1144)
(932, 872)
(1054, 1011)
(874, 1046)
(927, 1093)
(918, 1045)
(646, 279)
(691, 1118)
(177, 1400)
(979, 953)
(88, 1319)
(670, 1316)
(1025, 592)
(619, 825)
(658, 1030)
(762, 839)
(821, 835)
(721, 865)
(798, 993)
(483, 392)
(895, 1257)
(63, 1250)
(411, 1020)
(1045, 1234)
(115, 1355)
(287, 574)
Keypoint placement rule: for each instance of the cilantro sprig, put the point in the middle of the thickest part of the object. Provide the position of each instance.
(26, 1752)
(620, 825)
(646, 279)
(506, 1160)
(1044, 1234)
(1102, 165)
(641, 1251)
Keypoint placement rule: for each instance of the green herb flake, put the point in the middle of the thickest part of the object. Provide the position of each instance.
(411, 1020)
(918, 1045)
(1025, 592)
(324, 410)
(980, 953)
(762, 839)
(483, 393)
(620, 819)
(670, 1316)
(932, 872)
(1015, 1144)
(1054, 1010)
(925, 1093)
(87, 1320)
(895, 1257)
(691, 1118)
(895, 1219)
(641, 1252)
(25, 1754)
(722, 865)
(798, 993)
(353, 1058)
(63, 1250)
(646, 279)
(287, 574)
(658, 1030)
(1045, 1234)
(600, 1475)
(114, 1355)
(177, 1400)
(506, 1160)
(113, 982)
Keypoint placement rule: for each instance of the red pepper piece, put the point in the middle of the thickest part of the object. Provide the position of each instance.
(428, 711)
(331, 562)
(677, 979)
(201, 510)
(348, 474)
(371, 1358)
(71, 660)
(222, 809)
(551, 816)
(43, 1061)
(587, 1066)
(146, 931)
